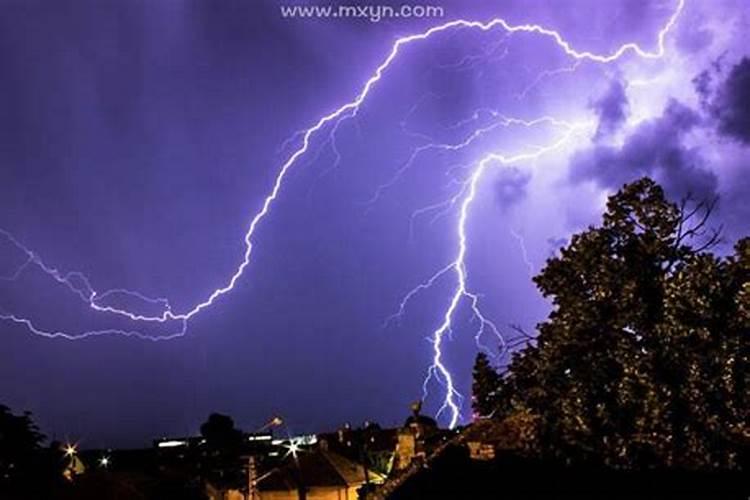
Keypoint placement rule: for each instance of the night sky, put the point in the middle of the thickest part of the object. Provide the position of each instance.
(139, 138)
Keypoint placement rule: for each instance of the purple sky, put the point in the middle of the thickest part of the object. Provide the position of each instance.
(137, 139)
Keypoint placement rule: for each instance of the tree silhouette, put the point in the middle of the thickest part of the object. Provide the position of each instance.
(486, 383)
(20, 440)
(644, 359)
(26, 469)
(220, 433)
(222, 465)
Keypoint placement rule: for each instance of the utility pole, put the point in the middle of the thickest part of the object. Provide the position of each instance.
(252, 466)
(252, 475)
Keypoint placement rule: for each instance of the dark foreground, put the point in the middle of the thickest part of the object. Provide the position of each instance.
(451, 475)
(454, 475)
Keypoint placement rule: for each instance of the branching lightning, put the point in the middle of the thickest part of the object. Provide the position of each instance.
(524, 252)
(461, 291)
(103, 302)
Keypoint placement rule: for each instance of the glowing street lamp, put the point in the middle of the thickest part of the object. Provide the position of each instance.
(70, 450)
(294, 447)
(274, 422)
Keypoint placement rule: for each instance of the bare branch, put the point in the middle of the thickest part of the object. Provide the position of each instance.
(519, 329)
(693, 223)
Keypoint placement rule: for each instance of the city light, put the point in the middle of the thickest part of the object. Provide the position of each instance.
(293, 447)
(171, 444)
(70, 450)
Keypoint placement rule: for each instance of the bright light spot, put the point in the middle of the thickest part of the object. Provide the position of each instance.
(277, 421)
(293, 447)
(262, 437)
(171, 444)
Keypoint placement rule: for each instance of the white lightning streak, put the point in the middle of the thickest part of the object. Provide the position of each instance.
(459, 267)
(524, 252)
(349, 109)
(438, 368)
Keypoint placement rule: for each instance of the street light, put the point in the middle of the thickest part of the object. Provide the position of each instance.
(70, 450)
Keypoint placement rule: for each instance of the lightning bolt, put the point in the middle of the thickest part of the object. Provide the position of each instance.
(438, 370)
(461, 291)
(100, 302)
(524, 252)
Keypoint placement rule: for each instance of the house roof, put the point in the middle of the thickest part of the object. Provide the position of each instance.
(422, 420)
(349, 442)
(314, 468)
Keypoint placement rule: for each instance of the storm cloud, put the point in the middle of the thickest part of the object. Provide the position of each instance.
(612, 109)
(511, 186)
(731, 104)
(656, 148)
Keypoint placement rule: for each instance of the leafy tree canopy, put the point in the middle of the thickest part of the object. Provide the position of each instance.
(484, 387)
(644, 358)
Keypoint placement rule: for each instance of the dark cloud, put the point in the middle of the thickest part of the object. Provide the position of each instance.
(705, 82)
(724, 93)
(731, 104)
(657, 149)
(612, 109)
(510, 187)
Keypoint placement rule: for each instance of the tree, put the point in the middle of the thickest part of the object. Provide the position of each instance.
(220, 433)
(26, 469)
(20, 441)
(222, 466)
(18, 433)
(486, 383)
(644, 359)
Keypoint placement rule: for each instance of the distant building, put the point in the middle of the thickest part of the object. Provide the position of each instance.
(317, 474)
(216, 493)
(74, 468)
(419, 435)
(371, 445)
